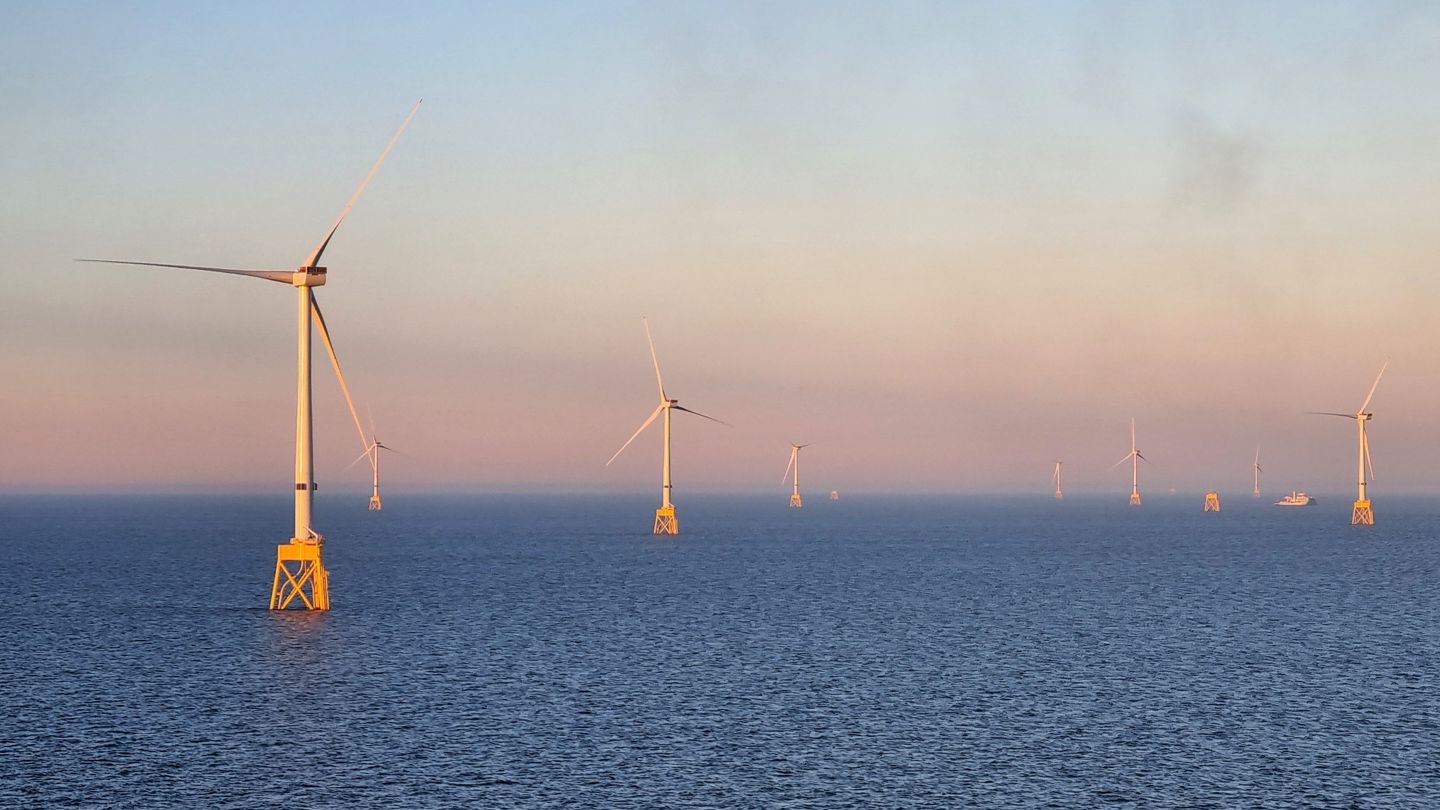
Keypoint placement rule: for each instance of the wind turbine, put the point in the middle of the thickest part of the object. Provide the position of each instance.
(300, 562)
(1134, 458)
(1059, 493)
(372, 452)
(795, 501)
(1256, 493)
(665, 520)
(1362, 514)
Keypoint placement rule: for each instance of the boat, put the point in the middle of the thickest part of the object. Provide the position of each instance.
(1296, 498)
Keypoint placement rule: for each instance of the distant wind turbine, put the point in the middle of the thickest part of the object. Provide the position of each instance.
(1134, 458)
(665, 519)
(795, 501)
(1059, 493)
(372, 452)
(1256, 493)
(299, 565)
(1362, 513)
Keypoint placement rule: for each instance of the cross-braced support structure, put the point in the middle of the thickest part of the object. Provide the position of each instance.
(1362, 515)
(1212, 502)
(665, 521)
(300, 572)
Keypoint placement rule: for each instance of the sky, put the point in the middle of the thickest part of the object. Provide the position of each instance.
(948, 244)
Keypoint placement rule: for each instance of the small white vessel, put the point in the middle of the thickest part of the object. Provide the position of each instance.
(1296, 498)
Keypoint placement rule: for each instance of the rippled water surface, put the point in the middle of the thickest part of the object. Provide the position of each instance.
(511, 652)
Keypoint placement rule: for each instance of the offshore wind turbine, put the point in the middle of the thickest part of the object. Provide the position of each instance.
(1362, 514)
(300, 562)
(1134, 457)
(1059, 492)
(372, 452)
(795, 501)
(1256, 493)
(665, 519)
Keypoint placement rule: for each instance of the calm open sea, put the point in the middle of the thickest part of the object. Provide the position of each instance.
(547, 652)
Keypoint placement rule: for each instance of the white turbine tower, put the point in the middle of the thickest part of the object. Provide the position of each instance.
(304, 551)
(1134, 457)
(1256, 493)
(665, 520)
(795, 501)
(1362, 513)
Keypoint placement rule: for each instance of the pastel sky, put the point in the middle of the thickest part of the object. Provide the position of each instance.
(946, 243)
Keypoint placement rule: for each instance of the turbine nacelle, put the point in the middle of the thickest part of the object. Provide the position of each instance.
(308, 277)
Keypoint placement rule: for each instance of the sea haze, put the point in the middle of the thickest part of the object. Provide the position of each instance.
(875, 652)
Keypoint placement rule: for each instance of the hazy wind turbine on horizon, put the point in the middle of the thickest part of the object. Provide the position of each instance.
(665, 519)
(795, 501)
(1134, 457)
(1362, 514)
(1059, 493)
(372, 452)
(1256, 493)
(305, 549)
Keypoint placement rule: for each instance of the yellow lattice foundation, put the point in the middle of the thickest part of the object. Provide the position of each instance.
(300, 572)
(1363, 514)
(665, 521)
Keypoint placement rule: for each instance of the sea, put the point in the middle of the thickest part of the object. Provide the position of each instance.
(875, 652)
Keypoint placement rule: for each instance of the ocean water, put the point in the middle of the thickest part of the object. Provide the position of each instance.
(875, 652)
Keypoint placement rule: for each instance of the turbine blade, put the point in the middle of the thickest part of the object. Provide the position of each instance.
(701, 415)
(1371, 395)
(653, 359)
(1142, 458)
(365, 454)
(340, 375)
(788, 465)
(320, 249)
(1331, 413)
(283, 276)
(1123, 460)
(1365, 442)
(640, 430)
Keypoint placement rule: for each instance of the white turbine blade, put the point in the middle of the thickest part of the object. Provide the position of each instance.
(370, 416)
(658, 380)
(788, 465)
(335, 361)
(284, 276)
(1123, 460)
(1371, 395)
(365, 454)
(1331, 413)
(320, 249)
(702, 416)
(1365, 443)
(640, 430)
